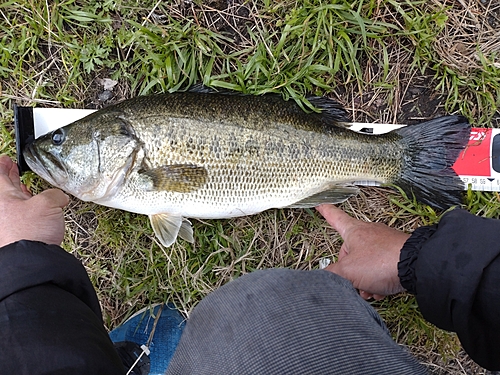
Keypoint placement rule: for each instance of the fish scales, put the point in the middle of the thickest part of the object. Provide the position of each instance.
(248, 168)
(207, 155)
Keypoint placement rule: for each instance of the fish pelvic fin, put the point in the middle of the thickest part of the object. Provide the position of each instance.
(180, 178)
(333, 195)
(167, 227)
(432, 148)
(186, 231)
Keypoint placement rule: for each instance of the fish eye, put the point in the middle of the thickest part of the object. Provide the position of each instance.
(58, 137)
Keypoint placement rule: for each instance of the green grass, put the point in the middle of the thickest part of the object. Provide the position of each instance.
(365, 53)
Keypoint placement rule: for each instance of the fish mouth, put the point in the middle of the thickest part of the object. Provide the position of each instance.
(45, 165)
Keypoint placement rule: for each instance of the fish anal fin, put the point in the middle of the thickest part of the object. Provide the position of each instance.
(335, 194)
(180, 178)
(167, 227)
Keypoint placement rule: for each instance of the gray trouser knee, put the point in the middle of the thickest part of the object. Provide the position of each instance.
(284, 321)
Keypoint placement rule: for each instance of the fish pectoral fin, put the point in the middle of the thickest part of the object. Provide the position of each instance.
(335, 194)
(167, 227)
(180, 178)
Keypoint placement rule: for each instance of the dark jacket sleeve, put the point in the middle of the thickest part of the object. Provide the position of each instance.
(453, 268)
(50, 319)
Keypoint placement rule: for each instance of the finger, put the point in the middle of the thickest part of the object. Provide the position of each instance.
(378, 297)
(5, 163)
(14, 176)
(365, 295)
(5, 170)
(25, 191)
(54, 198)
(338, 219)
(9, 173)
(335, 267)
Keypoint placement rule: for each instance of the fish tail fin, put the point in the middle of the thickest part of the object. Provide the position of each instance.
(432, 148)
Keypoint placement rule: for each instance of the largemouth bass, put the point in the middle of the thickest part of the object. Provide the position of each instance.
(215, 155)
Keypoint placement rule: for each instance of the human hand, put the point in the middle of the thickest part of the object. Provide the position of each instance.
(369, 255)
(27, 217)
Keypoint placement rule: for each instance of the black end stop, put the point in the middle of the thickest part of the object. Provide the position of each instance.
(25, 134)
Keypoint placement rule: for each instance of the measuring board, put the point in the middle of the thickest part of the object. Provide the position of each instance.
(478, 165)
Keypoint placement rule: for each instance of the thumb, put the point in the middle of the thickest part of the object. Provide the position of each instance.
(338, 219)
(53, 198)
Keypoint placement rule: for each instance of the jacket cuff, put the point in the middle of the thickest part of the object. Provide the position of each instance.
(409, 255)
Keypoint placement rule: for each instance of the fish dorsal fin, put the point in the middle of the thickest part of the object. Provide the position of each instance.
(202, 89)
(167, 227)
(331, 112)
(335, 194)
(180, 178)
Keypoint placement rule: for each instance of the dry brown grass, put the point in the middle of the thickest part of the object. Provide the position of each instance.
(471, 36)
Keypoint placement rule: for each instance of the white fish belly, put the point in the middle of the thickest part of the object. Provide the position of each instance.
(225, 199)
(200, 209)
